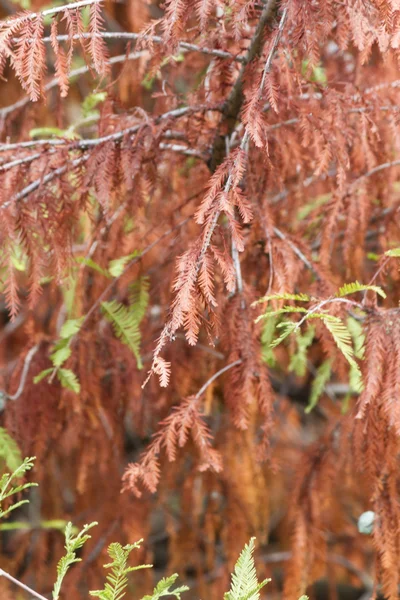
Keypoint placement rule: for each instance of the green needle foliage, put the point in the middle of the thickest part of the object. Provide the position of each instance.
(126, 319)
(321, 378)
(117, 580)
(72, 544)
(245, 584)
(352, 288)
(348, 337)
(125, 325)
(7, 487)
(9, 450)
(394, 253)
(298, 360)
(163, 588)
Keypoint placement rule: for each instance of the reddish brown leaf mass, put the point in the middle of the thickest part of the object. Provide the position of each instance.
(220, 151)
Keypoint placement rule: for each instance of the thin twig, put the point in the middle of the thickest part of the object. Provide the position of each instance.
(377, 169)
(216, 375)
(323, 303)
(233, 103)
(42, 181)
(126, 35)
(235, 252)
(184, 150)
(83, 144)
(80, 144)
(21, 161)
(27, 363)
(246, 137)
(297, 251)
(200, 346)
(21, 585)
(30, 16)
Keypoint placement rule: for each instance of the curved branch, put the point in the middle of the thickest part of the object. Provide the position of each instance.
(216, 375)
(25, 371)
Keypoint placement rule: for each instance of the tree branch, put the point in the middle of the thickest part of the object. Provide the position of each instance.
(296, 251)
(233, 104)
(127, 35)
(21, 585)
(246, 137)
(24, 374)
(216, 375)
(92, 142)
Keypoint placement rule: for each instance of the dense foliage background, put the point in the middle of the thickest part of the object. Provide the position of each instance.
(199, 229)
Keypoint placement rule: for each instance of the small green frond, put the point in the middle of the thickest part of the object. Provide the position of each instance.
(393, 253)
(282, 311)
(61, 353)
(117, 580)
(61, 349)
(343, 340)
(297, 297)
(323, 317)
(308, 208)
(321, 378)
(9, 450)
(88, 262)
(126, 326)
(117, 266)
(267, 336)
(58, 524)
(42, 375)
(139, 297)
(91, 101)
(245, 584)
(357, 333)
(163, 589)
(70, 328)
(355, 286)
(287, 327)
(69, 380)
(7, 489)
(48, 132)
(298, 360)
(72, 544)
(355, 380)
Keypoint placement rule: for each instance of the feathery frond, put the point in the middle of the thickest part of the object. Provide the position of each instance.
(117, 579)
(245, 584)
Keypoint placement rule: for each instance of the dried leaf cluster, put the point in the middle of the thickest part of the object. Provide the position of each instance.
(162, 169)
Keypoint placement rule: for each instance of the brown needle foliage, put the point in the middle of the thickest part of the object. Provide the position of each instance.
(162, 167)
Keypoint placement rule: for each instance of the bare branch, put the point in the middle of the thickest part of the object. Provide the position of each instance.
(233, 104)
(25, 370)
(215, 376)
(297, 251)
(92, 142)
(126, 35)
(21, 585)
(246, 137)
